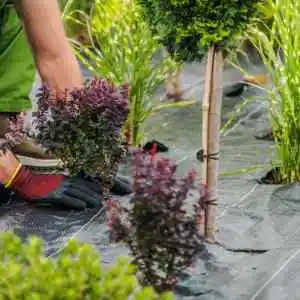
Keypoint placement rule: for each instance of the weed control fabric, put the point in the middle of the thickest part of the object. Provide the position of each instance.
(250, 215)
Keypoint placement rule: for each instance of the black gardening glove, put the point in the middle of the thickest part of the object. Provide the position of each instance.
(5, 195)
(56, 189)
(121, 187)
(75, 193)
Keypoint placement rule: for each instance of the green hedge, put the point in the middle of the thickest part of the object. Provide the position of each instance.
(76, 274)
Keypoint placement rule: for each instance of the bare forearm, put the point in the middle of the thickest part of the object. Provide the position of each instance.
(53, 54)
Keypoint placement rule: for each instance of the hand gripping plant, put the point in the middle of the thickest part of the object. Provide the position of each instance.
(159, 227)
(83, 128)
(211, 26)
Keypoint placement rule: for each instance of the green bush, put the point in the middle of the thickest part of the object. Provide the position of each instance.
(283, 67)
(190, 27)
(76, 274)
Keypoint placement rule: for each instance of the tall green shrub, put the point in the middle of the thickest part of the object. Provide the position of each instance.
(76, 274)
(125, 50)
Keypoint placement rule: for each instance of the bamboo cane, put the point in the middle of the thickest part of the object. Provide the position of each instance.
(212, 106)
(205, 112)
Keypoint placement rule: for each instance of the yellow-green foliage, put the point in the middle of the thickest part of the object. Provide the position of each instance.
(73, 13)
(125, 50)
(76, 274)
(278, 44)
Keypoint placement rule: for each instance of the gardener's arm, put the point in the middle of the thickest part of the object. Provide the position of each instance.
(52, 52)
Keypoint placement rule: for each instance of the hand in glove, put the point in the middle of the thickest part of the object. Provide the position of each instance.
(56, 189)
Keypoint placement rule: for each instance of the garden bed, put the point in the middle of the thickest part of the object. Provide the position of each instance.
(250, 215)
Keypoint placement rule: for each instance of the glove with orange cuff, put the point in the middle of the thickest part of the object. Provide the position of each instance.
(55, 189)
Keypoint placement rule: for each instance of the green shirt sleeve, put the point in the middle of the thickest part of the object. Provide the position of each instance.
(17, 69)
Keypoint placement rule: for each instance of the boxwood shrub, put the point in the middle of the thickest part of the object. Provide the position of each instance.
(75, 274)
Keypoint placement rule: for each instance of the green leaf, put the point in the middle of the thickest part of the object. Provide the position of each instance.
(178, 104)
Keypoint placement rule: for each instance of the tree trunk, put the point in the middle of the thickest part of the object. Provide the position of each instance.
(212, 106)
(177, 86)
(172, 83)
(173, 87)
(169, 86)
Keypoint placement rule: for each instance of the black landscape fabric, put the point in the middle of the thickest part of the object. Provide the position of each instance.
(250, 215)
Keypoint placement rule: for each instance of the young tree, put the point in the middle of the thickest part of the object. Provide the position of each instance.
(187, 49)
(193, 28)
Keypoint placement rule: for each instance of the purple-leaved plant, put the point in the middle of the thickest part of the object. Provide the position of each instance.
(15, 131)
(162, 235)
(83, 128)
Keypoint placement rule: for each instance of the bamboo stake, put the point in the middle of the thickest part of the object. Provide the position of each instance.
(212, 107)
(205, 113)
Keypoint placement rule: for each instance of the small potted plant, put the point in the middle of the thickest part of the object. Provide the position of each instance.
(83, 127)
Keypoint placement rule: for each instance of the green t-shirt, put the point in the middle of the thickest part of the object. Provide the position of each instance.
(17, 69)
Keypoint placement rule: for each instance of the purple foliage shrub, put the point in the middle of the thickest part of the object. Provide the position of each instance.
(15, 131)
(162, 235)
(83, 128)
